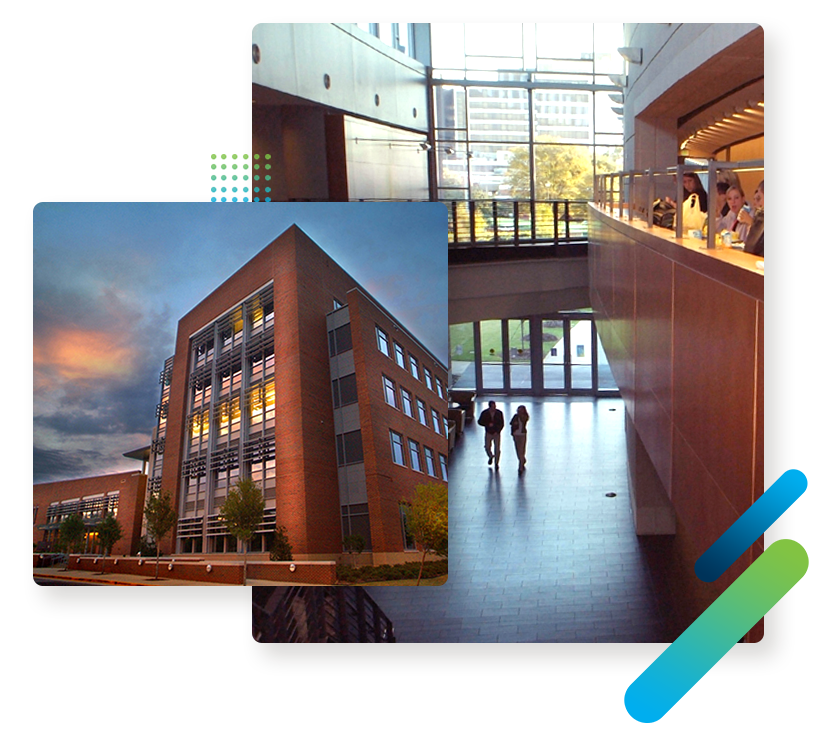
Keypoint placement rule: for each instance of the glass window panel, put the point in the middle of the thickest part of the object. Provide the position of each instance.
(492, 39)
(498, 114)
(414, 455)
(462, 344)
(607, 121)
(397, 448)
(608, 37)
(390, 391)
(565, 40)
(564, 172)
(447, 45)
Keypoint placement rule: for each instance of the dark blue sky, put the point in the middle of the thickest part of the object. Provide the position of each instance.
(111, 280)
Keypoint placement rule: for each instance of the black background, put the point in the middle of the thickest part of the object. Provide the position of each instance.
(129, 109)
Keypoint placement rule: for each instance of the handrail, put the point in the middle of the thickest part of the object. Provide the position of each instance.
(491, 223)
(605, 192)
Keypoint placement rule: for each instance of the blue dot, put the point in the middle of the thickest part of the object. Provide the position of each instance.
(234, 199)
(257, 189)
(245, 199)
(214, 199)
(268, 199)
(222, 199)
(222, 176)
(268, 189)
(234, 189)
(214, 176)
(246, 189)
(214, 189)
(222, 189)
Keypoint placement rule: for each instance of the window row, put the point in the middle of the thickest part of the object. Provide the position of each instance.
(434, 383)
(406, 402)
(230, 330)
(227, 415)
(419, 459)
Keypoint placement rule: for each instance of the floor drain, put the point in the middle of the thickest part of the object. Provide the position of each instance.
(610, 494)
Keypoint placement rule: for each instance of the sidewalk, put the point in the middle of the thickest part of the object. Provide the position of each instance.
(77, 576)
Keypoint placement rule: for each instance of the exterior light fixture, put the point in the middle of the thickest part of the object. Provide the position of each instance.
(425, 146)
(170, 566)
(616, 97)
(621, 80)
(292, 567)
(449, 150)
(208, 568)
(633, 54)
(618, 110)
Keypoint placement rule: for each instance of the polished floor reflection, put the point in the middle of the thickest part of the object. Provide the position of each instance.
(544, 556)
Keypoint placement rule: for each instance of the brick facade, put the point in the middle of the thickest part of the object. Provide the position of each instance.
(129, 485)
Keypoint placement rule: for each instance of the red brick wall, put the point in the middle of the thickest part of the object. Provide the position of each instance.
(131, 488)
(387, 482)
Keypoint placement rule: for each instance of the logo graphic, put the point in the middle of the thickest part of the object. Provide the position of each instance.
(225, 178)
(735, 612)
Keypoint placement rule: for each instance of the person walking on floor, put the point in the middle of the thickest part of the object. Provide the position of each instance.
(518, 427)
(493, 421)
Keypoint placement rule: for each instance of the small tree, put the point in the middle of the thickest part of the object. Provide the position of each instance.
(243, 512)
(70, 534)
(281, 547)
(427, 519)
(354, 544)
(160, 517)
(109, 531)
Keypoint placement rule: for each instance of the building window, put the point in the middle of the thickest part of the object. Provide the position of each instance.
(382, 341)
(415, 367)
(390, 390)
(435, 420)
(429, 455)
(349, 448)
(408, 407)
(399, 355)
(340, 340)
(356, 521)
(444, 473)
(344, 391)
(408, 539)
(397, 449)
(421, 412)
(414, 454)
(427, 377)
(337, 304)
(438, 385)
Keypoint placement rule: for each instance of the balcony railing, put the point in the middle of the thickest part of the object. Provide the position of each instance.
(516, 222)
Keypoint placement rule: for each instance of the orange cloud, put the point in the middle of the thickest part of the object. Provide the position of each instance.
(84, 354)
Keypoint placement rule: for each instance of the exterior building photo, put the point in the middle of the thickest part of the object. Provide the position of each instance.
(292, 375)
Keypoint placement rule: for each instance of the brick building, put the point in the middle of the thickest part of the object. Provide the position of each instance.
(122, 493)
(289, 373)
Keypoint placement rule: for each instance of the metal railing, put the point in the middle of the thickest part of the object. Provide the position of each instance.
(634, 193)
(478, 223)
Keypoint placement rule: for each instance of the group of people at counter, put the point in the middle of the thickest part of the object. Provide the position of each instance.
(732, 213)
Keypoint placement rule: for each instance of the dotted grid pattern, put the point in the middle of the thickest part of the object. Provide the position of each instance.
(234, 168)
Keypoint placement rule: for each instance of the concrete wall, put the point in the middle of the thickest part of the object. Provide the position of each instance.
(366, 77)
(517, 289)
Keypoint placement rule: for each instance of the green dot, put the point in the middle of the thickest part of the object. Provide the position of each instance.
(223, 177)
(246, 166)
(257, 177)
(214, 156)
(267, 178)
(234, 166)
(245, 177)
(214, 176)
(222, 156)
(222, 166)
(234, 176)
(269, 166)
(257, 156)
(234, 156)
(268, 156)
(246, 156)
(214, 166)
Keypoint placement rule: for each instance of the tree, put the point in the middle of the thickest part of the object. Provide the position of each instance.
(71, 534)
(160, 517)
(354, 544)
(243, 512)
(281, 547)
(109, 531)
(427, 520)
(563, 171)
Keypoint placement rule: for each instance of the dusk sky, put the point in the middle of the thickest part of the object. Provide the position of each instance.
(111, 281)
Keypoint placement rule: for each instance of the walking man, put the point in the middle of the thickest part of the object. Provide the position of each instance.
(493, 421)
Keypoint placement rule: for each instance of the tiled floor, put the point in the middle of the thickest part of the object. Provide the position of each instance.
(543, 556)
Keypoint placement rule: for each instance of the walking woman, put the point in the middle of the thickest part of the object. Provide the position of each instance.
(518, 427)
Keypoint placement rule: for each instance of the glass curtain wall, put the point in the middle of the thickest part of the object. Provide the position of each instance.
(525, 110)
(547, 354)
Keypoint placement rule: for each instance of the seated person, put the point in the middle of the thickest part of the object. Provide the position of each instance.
(754, 243)
(721, 207)
(731, 222)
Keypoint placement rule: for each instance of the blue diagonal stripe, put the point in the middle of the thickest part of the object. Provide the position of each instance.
(755, 521)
